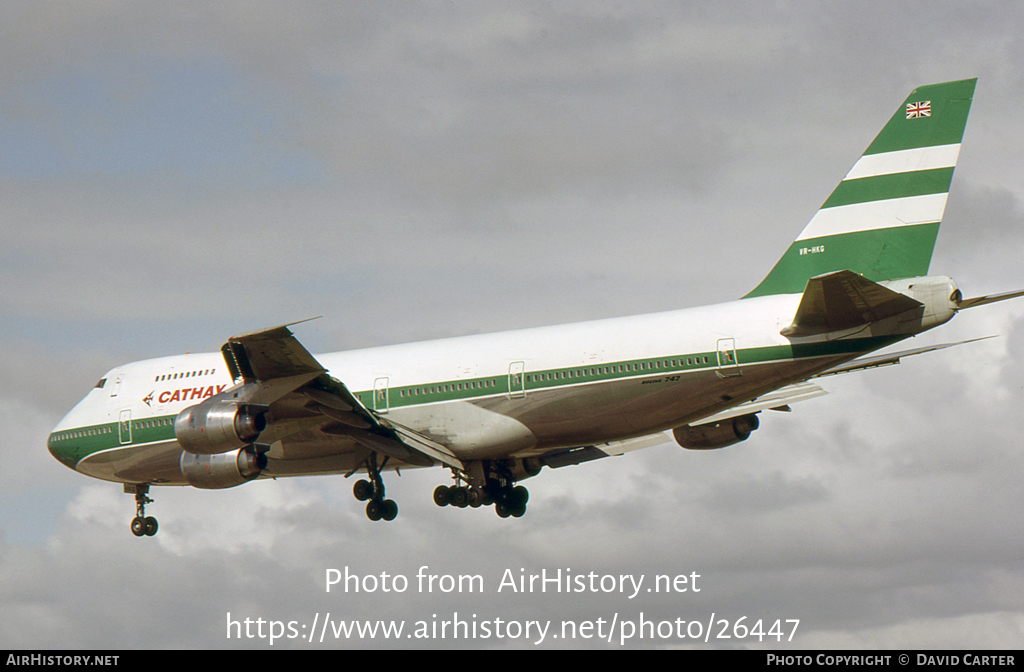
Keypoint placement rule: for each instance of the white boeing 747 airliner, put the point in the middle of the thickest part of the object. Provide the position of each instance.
(497, 408)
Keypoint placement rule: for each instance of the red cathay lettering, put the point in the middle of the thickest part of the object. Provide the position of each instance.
(187, 394)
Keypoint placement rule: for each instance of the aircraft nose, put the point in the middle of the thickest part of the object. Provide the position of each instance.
(62, 448)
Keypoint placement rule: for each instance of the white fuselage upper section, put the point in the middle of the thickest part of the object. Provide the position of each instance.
(168, 385)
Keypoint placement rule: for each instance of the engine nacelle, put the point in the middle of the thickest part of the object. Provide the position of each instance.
(224, 470)
(716, 434)
(214, 427)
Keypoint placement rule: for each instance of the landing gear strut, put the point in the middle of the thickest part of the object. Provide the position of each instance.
(372, 492)
(142, 525)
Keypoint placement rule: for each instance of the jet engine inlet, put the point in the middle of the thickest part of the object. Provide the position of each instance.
(226, 470)
(217, 427)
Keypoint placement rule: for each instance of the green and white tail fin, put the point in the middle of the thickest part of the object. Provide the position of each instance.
(882, 220)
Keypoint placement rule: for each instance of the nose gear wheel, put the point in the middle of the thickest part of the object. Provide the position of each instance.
(142, 525)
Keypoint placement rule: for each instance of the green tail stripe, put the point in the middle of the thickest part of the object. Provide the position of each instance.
(949, 105)
(878, 254)
(884, 187)
(876, 243)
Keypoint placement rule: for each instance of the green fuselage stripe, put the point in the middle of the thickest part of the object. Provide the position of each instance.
(70, 446)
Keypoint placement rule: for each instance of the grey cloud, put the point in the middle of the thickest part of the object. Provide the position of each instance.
(493, 166)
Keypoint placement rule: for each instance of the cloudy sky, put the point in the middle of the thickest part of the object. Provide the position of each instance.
(173, 175)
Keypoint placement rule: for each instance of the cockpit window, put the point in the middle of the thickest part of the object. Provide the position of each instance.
(99, 385)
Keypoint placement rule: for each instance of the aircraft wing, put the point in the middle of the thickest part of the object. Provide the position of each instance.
(875, 361)
(566, 457)
(780, 399)
(303, 401)
(776, 400)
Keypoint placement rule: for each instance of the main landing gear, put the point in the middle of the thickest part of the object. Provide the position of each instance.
(511, 501)
(372, 492)
(142, 525)
(481, 484)
(508, 499)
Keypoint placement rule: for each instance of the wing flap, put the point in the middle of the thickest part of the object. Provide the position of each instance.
(566, 457)
(776, 399)
(424, 445)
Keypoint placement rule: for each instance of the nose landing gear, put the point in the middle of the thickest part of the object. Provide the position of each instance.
(142, 525)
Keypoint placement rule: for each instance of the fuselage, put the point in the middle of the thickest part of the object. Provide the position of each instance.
(513, 394)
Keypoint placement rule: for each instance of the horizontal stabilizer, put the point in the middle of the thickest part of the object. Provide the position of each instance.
(845, 300)
(963, 304)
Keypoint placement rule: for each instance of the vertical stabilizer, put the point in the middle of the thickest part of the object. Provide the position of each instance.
(882, 220)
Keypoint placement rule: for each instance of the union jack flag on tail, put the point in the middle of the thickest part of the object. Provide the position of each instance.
(917, 110)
